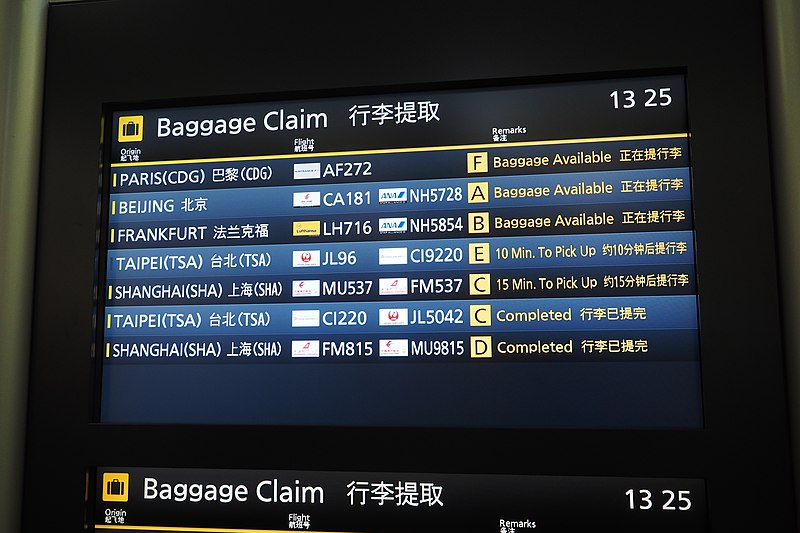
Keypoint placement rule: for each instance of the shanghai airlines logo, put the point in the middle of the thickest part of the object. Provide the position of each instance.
(392, 286)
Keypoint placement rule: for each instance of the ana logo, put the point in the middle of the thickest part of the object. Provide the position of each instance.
(397, 195)
(305, 258)
(305, 348)
(392, 225)
(393, 348)
(306, 199)
(392, 286)
(305, 288)
(393, 317)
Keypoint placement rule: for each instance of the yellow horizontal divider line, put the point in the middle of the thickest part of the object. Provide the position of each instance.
(197, 529)
(406, 150)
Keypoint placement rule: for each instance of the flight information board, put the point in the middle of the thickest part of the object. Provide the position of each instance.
(514, 256)
(268, 501)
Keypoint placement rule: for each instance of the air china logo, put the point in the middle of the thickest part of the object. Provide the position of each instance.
(306, 199)
(305, 348)
(392, 286)
(393, 317)
(302, 288)
(305, 258)
(306, 171)
(305, 318)
(393, 196)
(393, 225)
(394, 347)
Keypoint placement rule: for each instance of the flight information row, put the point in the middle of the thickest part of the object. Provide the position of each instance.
(586, 346)
(536, 157)
(544, 314)
(613, 249)
(610, 218)
(453, 193)
(510, 283)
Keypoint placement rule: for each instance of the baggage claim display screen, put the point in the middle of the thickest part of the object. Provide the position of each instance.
(514, 256)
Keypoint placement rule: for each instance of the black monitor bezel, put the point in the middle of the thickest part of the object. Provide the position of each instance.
(744, 447)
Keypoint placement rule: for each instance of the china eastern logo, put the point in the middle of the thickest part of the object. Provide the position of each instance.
(130, 128)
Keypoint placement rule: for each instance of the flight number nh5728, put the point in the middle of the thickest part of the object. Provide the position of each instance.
(436, 194)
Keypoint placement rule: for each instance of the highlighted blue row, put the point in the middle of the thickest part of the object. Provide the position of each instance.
(480, 317)
(311, 259)
(400, 196)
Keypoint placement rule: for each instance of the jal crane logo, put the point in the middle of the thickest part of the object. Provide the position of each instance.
(393, 316)
(305, 257)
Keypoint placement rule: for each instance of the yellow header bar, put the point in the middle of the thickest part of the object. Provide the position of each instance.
(126, 527)
(405, 150)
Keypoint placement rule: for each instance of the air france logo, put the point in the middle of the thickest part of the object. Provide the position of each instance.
(306, 171)
(393, 317)
(305, 258)
(397, 195)
(392, 286)
(306, 199)
(394, 348)
(393, 225)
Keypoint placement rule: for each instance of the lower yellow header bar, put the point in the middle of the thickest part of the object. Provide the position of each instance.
(120, 527)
